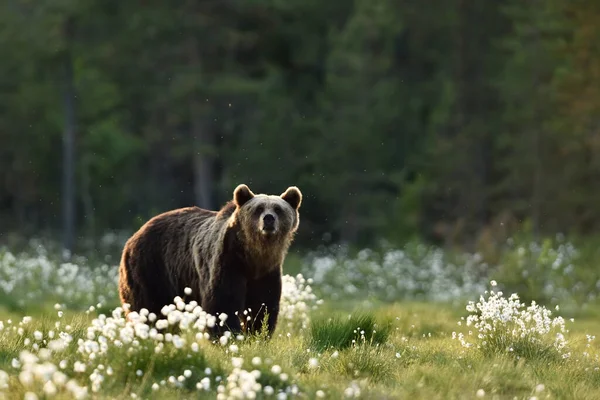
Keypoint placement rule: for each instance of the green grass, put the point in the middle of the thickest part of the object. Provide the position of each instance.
(407, 349)
(339, 333)
(410, 355)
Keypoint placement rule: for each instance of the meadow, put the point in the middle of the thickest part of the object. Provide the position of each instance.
(414, 322)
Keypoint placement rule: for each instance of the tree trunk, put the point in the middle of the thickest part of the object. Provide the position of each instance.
(536, 195)
(203, 141)
(203, 159)
(87, 199)
(68, 146)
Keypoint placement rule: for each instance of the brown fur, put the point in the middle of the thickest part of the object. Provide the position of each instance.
(225, 257)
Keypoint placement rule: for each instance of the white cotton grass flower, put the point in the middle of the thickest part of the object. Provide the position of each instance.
(297, 300)
(412, 272)
(352, 391)
(121, 331)
(30, 396)
(37, 277)
(540, 388)
(39, 375)
(276, 369)
(237, 362)
(502, 324)
(204, 384)
(240, 384)
(268, 390)
(428, 272)
(4, 377)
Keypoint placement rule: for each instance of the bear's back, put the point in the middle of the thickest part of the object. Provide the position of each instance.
(162, 249)
(167, 237)
(176, 222)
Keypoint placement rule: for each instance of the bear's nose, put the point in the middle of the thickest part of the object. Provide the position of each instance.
(269, 221)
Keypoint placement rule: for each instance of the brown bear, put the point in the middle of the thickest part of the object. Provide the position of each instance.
(231, 259)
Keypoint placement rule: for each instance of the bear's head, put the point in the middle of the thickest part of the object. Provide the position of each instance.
(267, 218)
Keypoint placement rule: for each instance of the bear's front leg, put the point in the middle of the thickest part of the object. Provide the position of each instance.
(263, 297)
(226, 295)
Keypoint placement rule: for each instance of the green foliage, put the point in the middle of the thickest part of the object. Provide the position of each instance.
(396, 120)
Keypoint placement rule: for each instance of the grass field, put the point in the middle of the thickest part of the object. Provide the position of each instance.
(362, 345)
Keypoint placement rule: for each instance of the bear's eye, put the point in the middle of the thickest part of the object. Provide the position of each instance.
(259, 210)
(277, 209)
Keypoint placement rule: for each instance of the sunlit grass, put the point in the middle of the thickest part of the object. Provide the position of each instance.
(338, 333)
(359, 347)
(414, 356)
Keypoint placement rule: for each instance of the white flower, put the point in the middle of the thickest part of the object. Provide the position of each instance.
(276, 369)
(79, 366)
(540, 388)
(4, 377)
(506, 320)
(268, 390)
(50, 388)
(237, 362)
(203, 384)
(26, 378)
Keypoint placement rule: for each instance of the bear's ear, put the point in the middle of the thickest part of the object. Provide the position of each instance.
(293, 196)
(242, 194)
